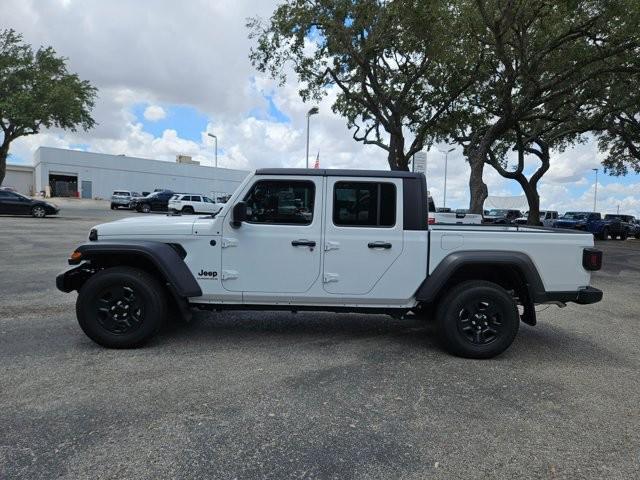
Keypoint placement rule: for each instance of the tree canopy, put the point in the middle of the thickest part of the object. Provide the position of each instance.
(398, 66)
(37, 91)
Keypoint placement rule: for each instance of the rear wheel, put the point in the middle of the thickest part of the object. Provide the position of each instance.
(188, 210)
(38, 211)
(477, 319)
(121, 307)
(605, 234)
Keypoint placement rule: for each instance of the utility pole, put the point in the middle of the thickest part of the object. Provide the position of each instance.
(595, 191)
(216, 139)
(312, 111)
(446, 162)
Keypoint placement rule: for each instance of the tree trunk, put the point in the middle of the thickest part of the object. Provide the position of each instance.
(533, 199)
(477, 188)
(397, 158)
(4, 153)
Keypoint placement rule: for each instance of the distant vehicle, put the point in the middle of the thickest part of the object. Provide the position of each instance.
(636, 230)
(8, 189)
(628, 223)
(437, 216)
(592, 222)
(144, 194)
(190, 203)
(547, 218)
(502, 216)
(156, 201)
(122, 198)
(13, 203)
(443, 210)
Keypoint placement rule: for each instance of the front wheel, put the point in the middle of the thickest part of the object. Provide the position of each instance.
(145, 208)
(605, 234)
(38, 211)
(120, 307)
(477, 319)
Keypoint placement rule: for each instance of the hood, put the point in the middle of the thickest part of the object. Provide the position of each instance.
(148, 225)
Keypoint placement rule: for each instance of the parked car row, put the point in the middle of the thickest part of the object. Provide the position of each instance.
(164, 200)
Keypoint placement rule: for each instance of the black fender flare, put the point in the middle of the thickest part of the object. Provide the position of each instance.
(452, 263)
(163, 256)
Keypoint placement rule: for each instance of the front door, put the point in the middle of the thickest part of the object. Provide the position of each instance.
(278, 249)
(363, 233)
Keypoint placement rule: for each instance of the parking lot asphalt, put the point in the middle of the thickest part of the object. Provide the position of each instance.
(312, 395)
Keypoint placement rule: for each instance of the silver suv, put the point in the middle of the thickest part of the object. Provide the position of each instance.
(122, 198)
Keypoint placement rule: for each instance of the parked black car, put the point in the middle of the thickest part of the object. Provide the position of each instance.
(13, 203)
(502, 216)
(156, 202)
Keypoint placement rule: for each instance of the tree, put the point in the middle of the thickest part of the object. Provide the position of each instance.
(37, 91)
(539, 57)
(397, 65)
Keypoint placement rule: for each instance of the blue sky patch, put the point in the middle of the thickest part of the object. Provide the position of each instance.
(188, 121)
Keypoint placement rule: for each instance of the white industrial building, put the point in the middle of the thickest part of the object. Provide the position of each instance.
(68, 173)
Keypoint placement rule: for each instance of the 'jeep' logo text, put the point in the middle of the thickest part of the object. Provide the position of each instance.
(205, 273)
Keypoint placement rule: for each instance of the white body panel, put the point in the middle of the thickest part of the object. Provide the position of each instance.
(456, 218)
(257, 264)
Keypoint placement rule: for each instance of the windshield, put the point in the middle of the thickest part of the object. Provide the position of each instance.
(575, 216)
(122, 194)
(497, 212)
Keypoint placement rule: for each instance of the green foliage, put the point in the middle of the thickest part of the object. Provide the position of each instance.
(37, 91)
(399, 66)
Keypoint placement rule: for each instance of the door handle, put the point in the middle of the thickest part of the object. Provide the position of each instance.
(379, 245)
(303, 243)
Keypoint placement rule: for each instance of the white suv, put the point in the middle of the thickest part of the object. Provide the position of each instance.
(189, 203)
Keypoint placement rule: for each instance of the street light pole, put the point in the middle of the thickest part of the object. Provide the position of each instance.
(216, 139)
(595, 192)
(446, 163)
(312, 111)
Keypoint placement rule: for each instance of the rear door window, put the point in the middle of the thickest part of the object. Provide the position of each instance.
(360, 204)
(195, 198)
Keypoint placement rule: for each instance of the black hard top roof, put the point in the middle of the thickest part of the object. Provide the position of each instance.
(325, 172)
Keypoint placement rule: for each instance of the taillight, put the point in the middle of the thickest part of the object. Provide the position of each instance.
(431, 221)
(591, 259)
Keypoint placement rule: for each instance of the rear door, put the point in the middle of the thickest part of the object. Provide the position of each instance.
(364, 235)
(278, 249)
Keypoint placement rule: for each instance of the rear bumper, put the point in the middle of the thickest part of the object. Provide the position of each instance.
(584, 296)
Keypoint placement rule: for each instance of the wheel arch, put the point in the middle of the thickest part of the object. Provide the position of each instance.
(511, 270)
(165, 261)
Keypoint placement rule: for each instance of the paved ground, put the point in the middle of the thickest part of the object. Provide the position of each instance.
(276, 395)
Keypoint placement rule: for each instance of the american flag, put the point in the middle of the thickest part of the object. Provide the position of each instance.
(317, 164)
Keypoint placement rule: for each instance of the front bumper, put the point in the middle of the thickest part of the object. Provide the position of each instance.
(72, 278)
(584, 296)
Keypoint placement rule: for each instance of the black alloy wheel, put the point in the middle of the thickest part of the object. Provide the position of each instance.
(121, 307)
(119, 310)
(477, 319)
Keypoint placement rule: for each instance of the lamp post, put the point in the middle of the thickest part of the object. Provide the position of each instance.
(446, 162)
(216, 139)
(595, 192)
(312, 111)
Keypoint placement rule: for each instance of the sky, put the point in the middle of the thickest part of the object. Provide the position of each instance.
(170, 72)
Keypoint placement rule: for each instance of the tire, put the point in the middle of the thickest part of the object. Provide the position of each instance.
(114, 206)
(605, 234)
(483, 302)
(137, 292)
(188, 211)
(145, 208)
(624, 235)
(38, 211)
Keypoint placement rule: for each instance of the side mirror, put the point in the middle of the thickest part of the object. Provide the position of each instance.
(239, 214)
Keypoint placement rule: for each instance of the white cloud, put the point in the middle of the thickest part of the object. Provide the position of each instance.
(153, 113)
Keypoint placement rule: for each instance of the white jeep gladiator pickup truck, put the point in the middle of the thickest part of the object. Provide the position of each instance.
(328, 240)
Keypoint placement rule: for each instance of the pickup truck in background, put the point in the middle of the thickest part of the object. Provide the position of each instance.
(446, 216)
(547, 218)
(327, 240)
(501, 216)
(593, 223)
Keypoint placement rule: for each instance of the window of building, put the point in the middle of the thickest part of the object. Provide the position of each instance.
(281, 201)
(364, 204)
